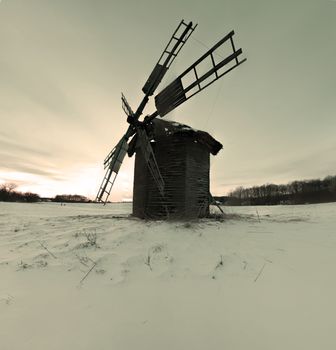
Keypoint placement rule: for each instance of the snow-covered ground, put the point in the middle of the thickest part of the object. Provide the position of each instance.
(89, 277)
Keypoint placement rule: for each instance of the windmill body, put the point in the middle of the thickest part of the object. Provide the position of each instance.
(183, 157)
(172, 160)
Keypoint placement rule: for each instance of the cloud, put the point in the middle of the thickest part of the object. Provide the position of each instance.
(13, 147)
(11, 164)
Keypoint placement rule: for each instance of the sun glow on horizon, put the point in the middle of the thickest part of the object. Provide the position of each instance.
(84, 180)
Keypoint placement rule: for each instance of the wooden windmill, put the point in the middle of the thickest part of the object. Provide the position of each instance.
(171, 176)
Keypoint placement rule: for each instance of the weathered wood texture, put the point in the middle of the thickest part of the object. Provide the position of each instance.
(184, 165)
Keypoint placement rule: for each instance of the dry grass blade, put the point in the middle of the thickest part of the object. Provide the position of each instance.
(44, 247)
(87, 274)
(260, 272)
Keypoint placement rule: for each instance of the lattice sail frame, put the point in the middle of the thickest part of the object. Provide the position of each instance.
(181, 90)
(113, 163)
(174, 46)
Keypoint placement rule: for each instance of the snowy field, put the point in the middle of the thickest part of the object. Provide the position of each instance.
(80, 277)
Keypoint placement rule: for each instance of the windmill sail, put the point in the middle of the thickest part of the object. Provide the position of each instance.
(192, 80)
(174, 46)
(113, 163)
(146, 148)
(149, 156)
(126, 107)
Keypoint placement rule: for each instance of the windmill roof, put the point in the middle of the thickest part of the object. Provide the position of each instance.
(160, 128)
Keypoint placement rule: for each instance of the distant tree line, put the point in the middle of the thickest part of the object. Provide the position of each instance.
(71, 198)
(9, 194)
(296, 192)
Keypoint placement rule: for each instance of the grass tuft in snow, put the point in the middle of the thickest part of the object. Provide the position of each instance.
(91, 239)
(220, 263)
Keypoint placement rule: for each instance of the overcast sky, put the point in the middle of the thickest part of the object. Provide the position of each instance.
(64, 63)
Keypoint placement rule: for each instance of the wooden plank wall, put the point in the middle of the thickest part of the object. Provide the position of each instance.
(184, 166)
